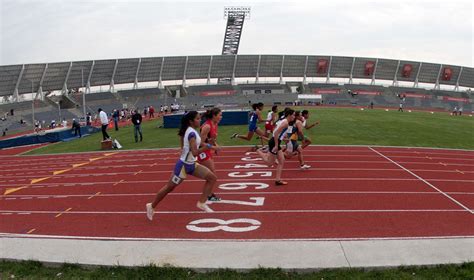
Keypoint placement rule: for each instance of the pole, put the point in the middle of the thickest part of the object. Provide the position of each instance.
(83, 97)
(33, 103)
(59, 108)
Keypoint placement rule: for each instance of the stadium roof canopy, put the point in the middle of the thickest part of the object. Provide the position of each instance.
(27, 78)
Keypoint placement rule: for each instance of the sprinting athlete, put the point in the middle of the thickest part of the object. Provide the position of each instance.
(275, 152)
(255, 117)
(209, 135)
(306, 141)
(272, 117)
(292, 147)
(190, 144)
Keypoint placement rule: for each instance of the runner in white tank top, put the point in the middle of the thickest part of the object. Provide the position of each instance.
(186, 164)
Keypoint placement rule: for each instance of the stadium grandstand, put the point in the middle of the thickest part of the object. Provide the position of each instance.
(196, 81)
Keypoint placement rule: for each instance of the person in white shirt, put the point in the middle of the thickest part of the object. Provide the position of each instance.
(104, 121)
(187, 165)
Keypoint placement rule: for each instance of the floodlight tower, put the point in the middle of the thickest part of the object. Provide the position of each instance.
(235, 16)
(235, 22)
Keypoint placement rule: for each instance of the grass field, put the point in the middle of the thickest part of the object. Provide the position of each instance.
(35, 270)
(338, 126)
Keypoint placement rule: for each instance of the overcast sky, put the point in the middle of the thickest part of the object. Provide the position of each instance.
(52, 31)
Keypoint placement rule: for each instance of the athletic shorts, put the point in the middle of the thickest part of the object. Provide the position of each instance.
(292, 146)
(206, 155)
(271, 145)
(181, 169)
(269, 127)
(253, 127)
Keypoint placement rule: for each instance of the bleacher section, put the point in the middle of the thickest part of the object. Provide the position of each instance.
(174, 73)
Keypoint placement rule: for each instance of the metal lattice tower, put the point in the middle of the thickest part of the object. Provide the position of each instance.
(233, 31)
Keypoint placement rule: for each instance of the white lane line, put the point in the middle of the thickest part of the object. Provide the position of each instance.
(19, 212)
(49, 170)
(248, 193)
(76, 175)
(52, 185)
(423, 180)
(42, 236)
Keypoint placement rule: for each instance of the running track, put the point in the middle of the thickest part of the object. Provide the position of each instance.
(350, 192)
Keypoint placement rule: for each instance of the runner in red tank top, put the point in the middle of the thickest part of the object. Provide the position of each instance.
(209, 135)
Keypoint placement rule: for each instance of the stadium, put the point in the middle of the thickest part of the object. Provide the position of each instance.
(389, 178)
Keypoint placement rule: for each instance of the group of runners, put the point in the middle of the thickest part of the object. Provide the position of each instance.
(283, 134)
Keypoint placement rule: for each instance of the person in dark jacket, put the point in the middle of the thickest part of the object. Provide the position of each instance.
(115, 116)
(76, 126)
(137, 125)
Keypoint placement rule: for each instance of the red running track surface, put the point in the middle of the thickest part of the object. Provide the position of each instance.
(351, 192)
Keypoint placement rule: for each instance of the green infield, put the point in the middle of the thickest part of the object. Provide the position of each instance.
(35, 270)
(338, 126)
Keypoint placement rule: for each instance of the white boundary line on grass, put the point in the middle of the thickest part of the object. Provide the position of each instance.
(426, 182)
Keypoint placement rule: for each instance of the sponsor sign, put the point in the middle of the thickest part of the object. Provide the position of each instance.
(326, 91)
(218, 93)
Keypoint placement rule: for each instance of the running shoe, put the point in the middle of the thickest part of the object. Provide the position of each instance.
(204, 207)
(281, 183)
(305, 166)
(234, 135)
(149, 211)
(213, 197)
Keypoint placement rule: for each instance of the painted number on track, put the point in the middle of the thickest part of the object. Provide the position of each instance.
(242, 186)
(223, 225)
(257, 201)
(251, 165)
(250, 159)
(250, 174)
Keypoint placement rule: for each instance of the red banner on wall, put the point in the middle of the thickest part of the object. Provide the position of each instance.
(367, 92)
(218, 93)
(449, 98)
(416, 95)
(326, 91)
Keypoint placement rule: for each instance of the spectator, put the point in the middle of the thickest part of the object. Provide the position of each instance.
(460, 111)
(371, 105)
(76, 126)
(115, 115)
(104, 121)
(64, 123)
(89, 119)
(137, 125)
(151, 110)
(12, 112)
(455, 111)
(53, 124)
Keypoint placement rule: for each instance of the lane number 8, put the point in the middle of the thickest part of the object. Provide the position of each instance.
(223, 225)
